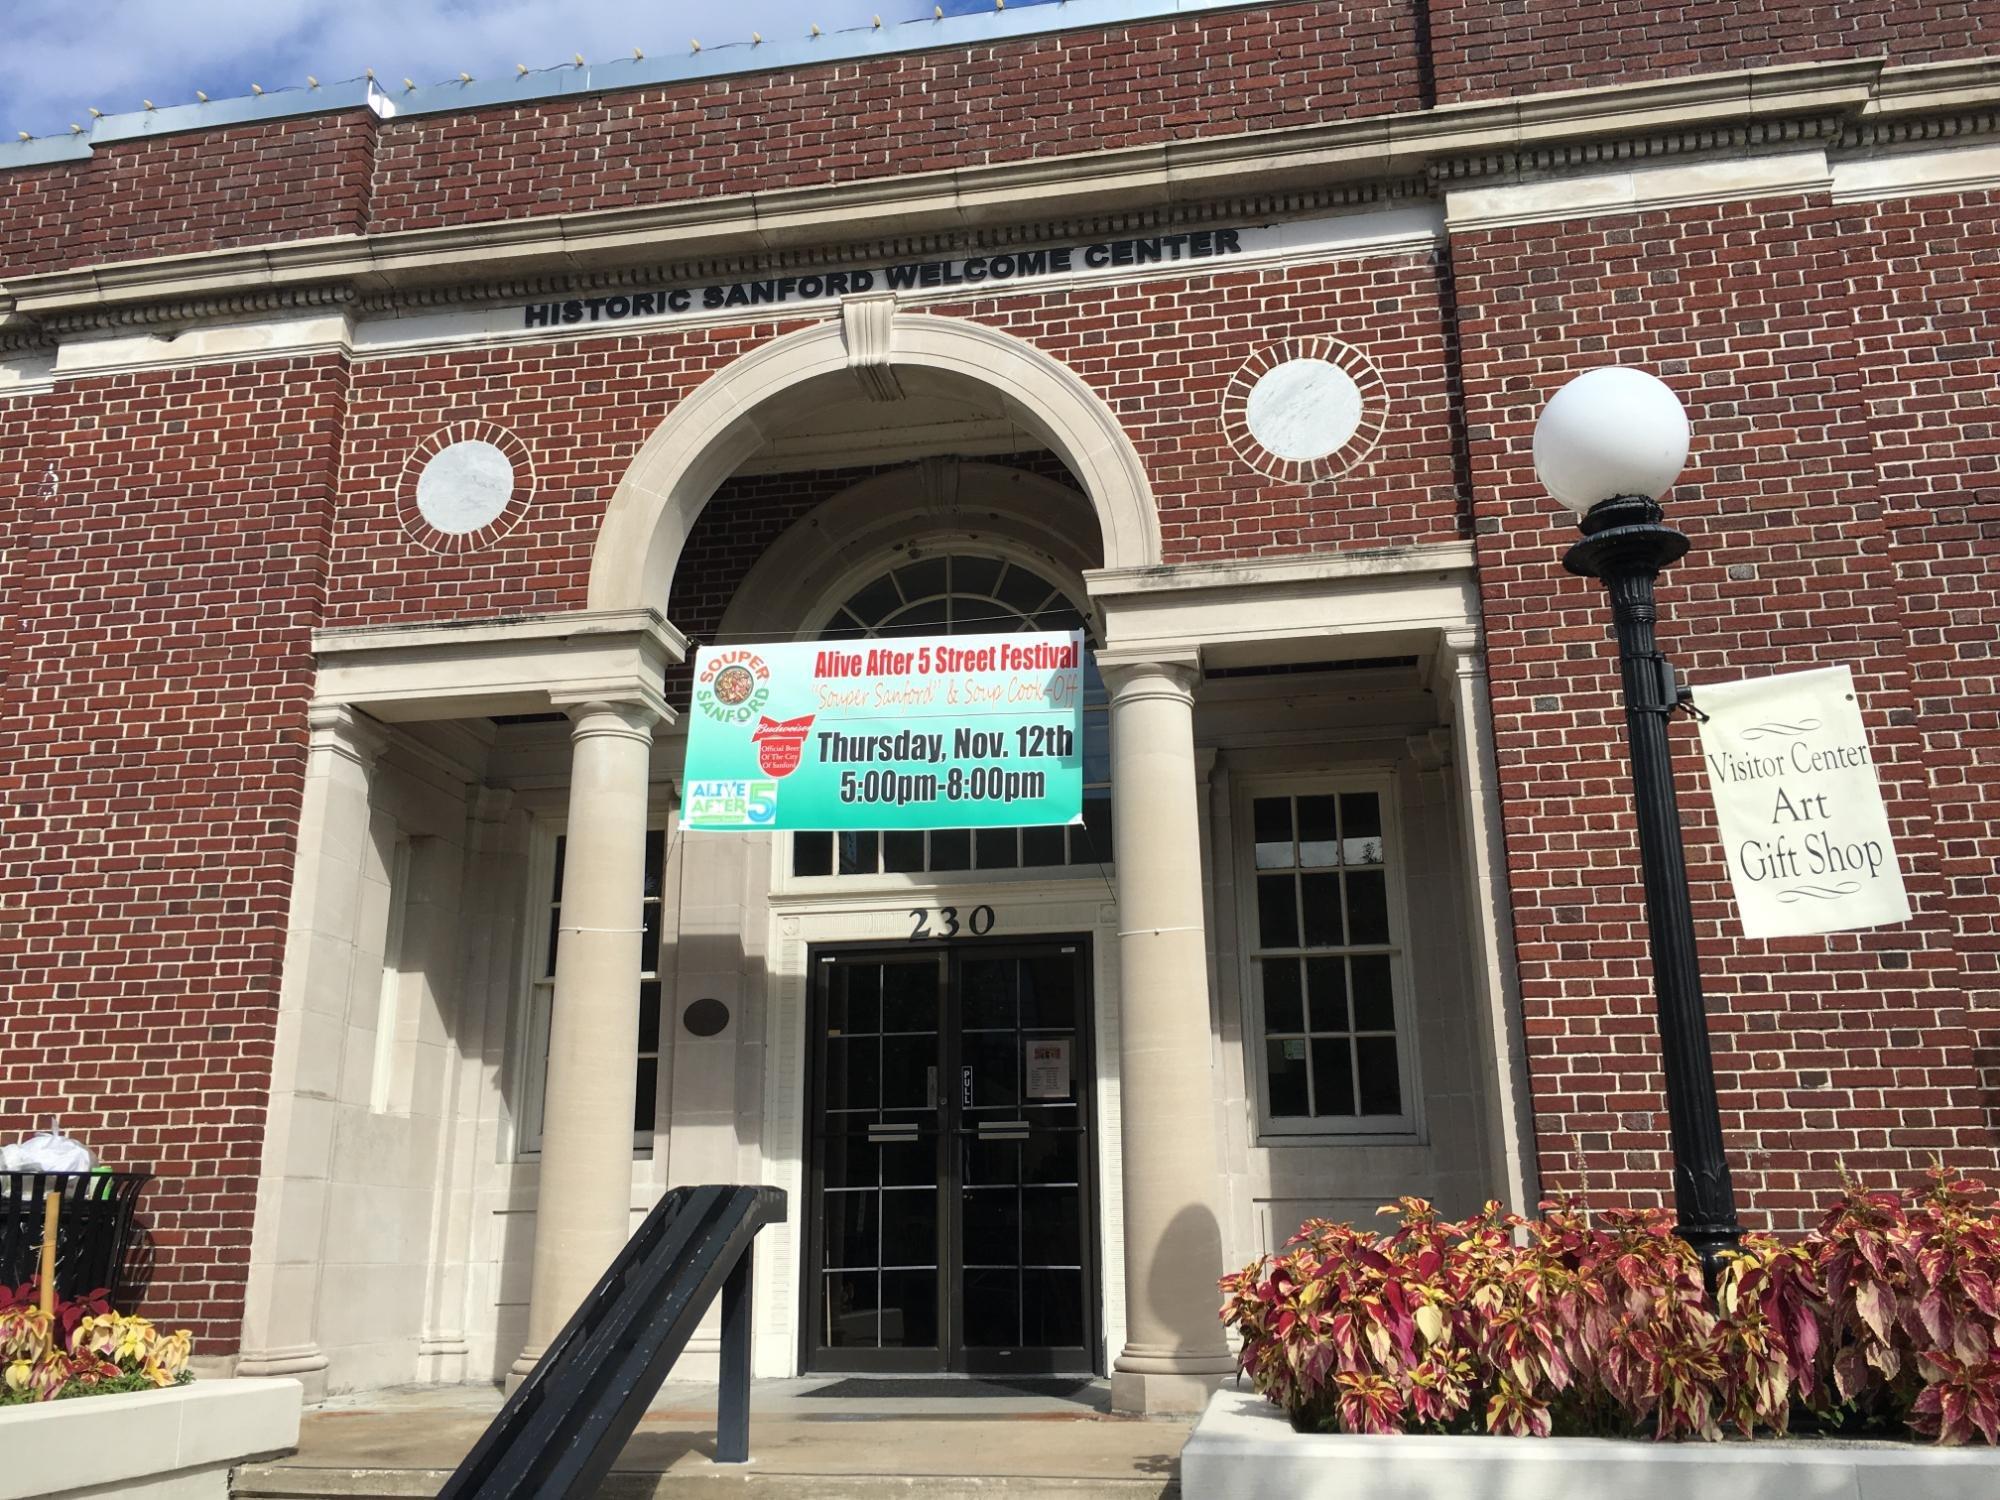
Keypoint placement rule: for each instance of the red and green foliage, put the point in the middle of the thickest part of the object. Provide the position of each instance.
(1886, 1317)
(85, 1349)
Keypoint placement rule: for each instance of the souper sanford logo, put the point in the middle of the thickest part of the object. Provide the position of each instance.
(733, 686)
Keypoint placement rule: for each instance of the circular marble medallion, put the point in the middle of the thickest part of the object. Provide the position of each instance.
(465, 487)
(1303, 409)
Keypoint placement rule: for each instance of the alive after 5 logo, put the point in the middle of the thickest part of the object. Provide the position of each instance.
(730, 803)
(733, 686)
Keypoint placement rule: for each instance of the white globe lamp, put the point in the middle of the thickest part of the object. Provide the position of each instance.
(1609, 433)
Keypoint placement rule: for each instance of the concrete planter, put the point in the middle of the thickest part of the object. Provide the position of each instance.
(174, 1444)
(1244, 1449)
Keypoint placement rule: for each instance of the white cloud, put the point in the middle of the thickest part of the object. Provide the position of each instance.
(61, 56)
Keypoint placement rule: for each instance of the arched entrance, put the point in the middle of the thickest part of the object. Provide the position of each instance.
(1149, 929)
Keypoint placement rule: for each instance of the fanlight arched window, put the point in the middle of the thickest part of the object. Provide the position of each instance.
(968, 593)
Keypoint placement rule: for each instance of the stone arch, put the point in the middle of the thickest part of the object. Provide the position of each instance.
(708, 436)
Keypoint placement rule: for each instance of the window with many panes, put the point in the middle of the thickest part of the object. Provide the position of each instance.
(547, 940)
(1331, 1041)
(969, 594)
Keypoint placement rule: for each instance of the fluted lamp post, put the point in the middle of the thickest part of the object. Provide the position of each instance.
(1607, 446)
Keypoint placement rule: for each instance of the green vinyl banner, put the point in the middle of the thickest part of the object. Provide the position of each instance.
(964, 731)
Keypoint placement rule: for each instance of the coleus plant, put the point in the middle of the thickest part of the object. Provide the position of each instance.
(83, 1349)
(1885, 1316)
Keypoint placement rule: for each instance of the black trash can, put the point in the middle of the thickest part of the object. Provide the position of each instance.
(94, 1237)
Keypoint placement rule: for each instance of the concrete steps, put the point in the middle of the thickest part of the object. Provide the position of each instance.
(291, 1482)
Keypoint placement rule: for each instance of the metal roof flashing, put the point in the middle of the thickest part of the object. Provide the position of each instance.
(721, 60)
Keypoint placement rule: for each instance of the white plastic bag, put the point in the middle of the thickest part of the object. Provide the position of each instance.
(51, 1151)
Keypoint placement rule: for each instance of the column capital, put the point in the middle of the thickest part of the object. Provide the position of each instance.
(625, 719)
(1463, 647)
(1135, 672)
(346, 731)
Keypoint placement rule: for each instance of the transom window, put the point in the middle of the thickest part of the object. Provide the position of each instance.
(969, 594)
(548, 939)
(1331, 1032)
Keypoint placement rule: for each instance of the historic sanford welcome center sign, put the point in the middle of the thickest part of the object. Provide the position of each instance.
(906, 276)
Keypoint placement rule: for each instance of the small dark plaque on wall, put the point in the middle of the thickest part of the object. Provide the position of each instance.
(705, 1017)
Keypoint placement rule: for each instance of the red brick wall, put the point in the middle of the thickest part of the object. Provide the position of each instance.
(166, 578)
(1210, 74)
(202, 190)
(1160, 352)
(1483, 49)
(1794, 331)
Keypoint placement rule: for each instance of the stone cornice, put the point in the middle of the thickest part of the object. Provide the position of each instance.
(1260, 175)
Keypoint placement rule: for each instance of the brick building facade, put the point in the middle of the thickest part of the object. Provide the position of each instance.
(287, 760)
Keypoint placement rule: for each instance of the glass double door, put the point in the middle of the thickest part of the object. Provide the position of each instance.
(950, 1162)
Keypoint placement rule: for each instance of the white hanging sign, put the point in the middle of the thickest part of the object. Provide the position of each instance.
(1799, 806)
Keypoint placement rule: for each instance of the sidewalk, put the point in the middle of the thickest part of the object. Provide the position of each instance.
(839, 1438)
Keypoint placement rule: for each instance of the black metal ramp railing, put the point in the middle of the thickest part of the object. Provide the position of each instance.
(559, 1434)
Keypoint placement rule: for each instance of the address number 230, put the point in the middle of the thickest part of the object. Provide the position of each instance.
(943, 922)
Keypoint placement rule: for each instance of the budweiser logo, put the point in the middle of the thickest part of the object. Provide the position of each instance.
(780, 743)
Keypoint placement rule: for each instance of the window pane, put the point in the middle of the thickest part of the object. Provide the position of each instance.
(951, 849)
(555, 937)
(1277, 912)
(927, 618)
(1318, 839)
(909, 997)
(1042, 846)
(856, 1005)
(1333, 1076)
(1287, 1064)
(649, 1016)
(649, 938)
(812, 854)
(1320, 895)
(656, 860)
(974, 575)
(1284, 1008)
(1090, 841)
(642, 1099)
(880, 598)
(1021, 590)
(920, 580)
(1381, 1089)
(1361, 826)
(858, 853)
(1326, 983)
(903, 851)
(1273, 819)
(1374, 1002)
(995, 849)
(562, 848)
(1367, 907)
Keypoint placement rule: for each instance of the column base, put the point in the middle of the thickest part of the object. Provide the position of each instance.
(305, 1363)
(1153, 1394)
(523, 1366)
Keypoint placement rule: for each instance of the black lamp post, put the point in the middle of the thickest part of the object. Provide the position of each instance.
(1608, 441)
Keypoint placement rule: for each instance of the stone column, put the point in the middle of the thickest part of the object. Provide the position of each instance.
(1174, 1354)
(583, 1206)
(322, 940)
(1489, 911)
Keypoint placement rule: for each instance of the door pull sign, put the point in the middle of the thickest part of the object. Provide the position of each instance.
(965, 1087)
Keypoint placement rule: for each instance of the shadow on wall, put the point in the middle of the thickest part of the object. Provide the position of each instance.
(1192, 1235)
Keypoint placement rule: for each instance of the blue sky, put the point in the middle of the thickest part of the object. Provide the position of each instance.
(60, 57)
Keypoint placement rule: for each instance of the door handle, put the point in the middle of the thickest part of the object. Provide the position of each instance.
(1003, 1130)
(891, 1133)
